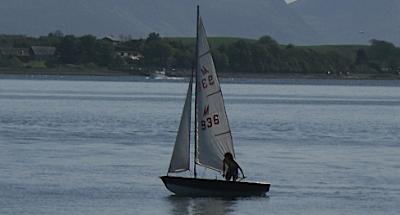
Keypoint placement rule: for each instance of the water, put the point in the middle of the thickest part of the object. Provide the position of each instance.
(98, 146)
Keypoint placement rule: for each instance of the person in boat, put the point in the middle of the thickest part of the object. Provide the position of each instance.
(232, 171)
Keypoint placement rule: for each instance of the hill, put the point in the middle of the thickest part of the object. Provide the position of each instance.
(233, 18)
(351, 21)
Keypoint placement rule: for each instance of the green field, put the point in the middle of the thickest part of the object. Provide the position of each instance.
(347, 51)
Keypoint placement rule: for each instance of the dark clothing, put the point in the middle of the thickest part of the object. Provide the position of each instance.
(232, 173)
(233, 169)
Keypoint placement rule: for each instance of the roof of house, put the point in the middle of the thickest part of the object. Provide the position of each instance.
(43, 50)
(11, 51)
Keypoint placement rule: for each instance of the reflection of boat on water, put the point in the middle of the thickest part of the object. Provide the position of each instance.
(212, 136)
(188, 205)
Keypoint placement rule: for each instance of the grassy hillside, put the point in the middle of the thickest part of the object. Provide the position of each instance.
(347, 51)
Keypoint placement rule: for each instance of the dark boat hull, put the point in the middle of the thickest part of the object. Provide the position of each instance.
(208, 187)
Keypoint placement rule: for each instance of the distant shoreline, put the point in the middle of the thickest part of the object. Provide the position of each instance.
(110, 73)
(64, 71)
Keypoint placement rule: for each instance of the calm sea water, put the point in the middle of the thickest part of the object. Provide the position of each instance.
(98, 146)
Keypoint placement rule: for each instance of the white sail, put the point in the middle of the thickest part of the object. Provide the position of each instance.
(213, 132)
(180, 160)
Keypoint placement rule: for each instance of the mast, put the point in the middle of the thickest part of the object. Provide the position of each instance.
(196, 92)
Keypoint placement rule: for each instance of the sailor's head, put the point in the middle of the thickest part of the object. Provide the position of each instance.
(228, 155)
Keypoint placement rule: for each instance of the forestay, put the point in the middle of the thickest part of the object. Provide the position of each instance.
(180, 160)
(213, 132)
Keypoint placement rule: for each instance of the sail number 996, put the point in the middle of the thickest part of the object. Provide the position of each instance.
(209, 122)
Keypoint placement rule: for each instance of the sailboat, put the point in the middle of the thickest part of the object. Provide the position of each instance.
(212, 134)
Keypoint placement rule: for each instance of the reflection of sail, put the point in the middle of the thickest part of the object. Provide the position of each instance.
(201, 206)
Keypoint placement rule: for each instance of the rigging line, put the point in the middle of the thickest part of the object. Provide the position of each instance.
(196, 94)
(202, 55)
(227, 132)
(218, 91)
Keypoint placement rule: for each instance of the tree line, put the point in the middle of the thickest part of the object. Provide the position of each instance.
(264, 55)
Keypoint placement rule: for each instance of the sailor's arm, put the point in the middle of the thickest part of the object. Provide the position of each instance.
(241, 171)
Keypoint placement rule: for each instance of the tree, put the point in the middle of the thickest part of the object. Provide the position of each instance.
(384, 55)
(270, 44)
(69, 50)
(240, 57)
(157, 53)
(88, 46)
(221, 60)
(105, 53)
(361, 57)
(261, 57)
(153, 37)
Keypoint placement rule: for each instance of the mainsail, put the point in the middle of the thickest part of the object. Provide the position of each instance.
(214, 137)
(180, 160)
